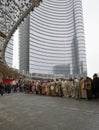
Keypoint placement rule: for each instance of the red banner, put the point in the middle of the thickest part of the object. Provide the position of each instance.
(7, 80)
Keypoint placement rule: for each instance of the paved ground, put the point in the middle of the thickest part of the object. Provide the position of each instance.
(30, 112)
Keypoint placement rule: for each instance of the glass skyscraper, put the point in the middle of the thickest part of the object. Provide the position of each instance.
(52, 39)
(9, 53)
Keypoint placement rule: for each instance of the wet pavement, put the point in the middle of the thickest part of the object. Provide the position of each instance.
(19, 111)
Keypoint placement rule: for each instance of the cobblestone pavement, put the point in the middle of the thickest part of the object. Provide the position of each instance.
(19, 111)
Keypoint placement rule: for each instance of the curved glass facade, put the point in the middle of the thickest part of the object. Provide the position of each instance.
(9, 53)
(55, 39)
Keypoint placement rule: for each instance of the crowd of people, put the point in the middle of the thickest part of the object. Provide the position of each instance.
(83, 88)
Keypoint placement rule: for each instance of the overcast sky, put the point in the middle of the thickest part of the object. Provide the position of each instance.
(91, 26)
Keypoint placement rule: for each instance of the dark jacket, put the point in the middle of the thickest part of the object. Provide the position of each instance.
(95, 84)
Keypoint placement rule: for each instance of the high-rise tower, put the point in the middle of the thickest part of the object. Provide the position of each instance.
(9, 53)
(52, 39)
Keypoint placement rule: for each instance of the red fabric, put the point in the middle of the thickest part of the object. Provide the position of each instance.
(6, 80)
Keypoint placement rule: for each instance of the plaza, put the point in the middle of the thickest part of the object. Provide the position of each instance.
(20, 111)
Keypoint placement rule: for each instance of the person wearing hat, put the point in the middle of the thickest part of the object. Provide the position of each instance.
(95, 86)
